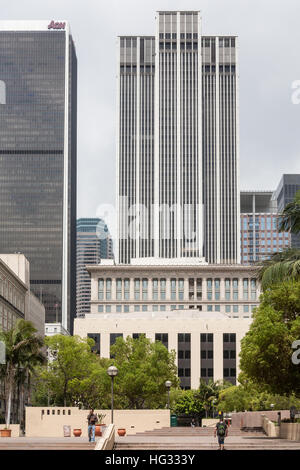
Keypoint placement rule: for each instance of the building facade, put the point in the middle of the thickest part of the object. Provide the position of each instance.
(284, 194)
(165, 285)
(207, 345)
(16, 271)
(201, 311)
(260, 237)
(38, 88)
(93, 244)
(178, 143)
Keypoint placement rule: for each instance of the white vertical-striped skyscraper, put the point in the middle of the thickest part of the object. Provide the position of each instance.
(178, 143)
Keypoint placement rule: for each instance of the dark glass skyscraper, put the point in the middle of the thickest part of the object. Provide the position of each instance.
(38, 99)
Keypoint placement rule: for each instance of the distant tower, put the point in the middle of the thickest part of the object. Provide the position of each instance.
(178, 143)
(93, 244)
(38, 106)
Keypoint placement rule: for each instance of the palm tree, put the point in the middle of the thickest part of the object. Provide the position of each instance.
(283, 265)
(23, 352)
(280, 267)
(290, 216)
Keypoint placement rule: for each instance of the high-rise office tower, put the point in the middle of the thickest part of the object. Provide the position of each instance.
(93, 244)
(178, 143)
(38, 98)
(284, 194)
(260, 237)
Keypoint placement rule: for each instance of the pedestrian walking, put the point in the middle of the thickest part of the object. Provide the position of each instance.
(221, 430)
(92, 420)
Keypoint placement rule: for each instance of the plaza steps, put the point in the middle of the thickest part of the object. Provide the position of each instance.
(27, 445)
(199, 431)
(275, 444)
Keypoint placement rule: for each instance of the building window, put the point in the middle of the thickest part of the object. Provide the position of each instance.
(209, 289)
(155, 289)
(126, 308)
(101, 289)
(137, 289)
(100, 308)
(108, 289)
(136, 308)
(145, 289)
(126, 289)
(173, 289)
(119, 289)
(217, 289)
(162, 289)
(180, 289)
(119, 308)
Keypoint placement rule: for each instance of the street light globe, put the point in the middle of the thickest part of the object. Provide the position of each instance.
(272, 405)
(112, 371)
(168, 383)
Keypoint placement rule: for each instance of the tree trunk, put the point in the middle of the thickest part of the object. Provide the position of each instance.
(8, 403)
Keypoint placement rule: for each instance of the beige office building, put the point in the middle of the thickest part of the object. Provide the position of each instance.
(201, 311)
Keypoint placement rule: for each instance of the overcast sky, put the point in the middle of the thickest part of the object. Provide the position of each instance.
(269, 39)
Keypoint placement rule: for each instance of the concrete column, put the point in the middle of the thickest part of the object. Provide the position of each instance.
(131, 288)
(94, 287)
(168, 289)
(173, 342)
(104, 345)
(186, 289)
(113, 289)
(222, 289)
(150, 290)
(218, 356)
(195, 359)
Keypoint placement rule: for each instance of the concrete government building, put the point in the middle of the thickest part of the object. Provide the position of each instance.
(201, 311)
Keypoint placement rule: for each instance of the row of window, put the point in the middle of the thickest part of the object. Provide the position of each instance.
(163, 308)
(141, 288)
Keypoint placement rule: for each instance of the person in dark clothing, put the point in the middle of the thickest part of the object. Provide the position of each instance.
(221, 430)
(92, 420)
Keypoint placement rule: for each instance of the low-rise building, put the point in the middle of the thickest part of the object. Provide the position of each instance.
(18, 301)
(201, 311)
(207, 345)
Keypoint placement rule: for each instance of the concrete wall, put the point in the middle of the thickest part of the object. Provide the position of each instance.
(269, 427)
(252, 419)
(49, 422)
(290, 431)
(15, 429)
(36, 313)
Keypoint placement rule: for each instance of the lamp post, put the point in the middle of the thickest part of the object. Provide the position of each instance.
(112, 372)
(272, 406)
(213, 404)
(168, 385)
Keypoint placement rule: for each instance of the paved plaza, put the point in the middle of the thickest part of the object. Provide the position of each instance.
(166, 439)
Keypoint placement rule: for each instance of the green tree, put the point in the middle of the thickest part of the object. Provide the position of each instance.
(188, 402)
(209, 393)
(284, 265)
(144, 367)
(71, 361)
(266, 349)
(23, 354)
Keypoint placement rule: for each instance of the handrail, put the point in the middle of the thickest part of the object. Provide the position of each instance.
(107, 441)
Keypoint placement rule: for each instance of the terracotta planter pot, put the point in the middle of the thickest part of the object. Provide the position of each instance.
(121, 431)
(5, 432)
(98, 430)
(77, 432)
